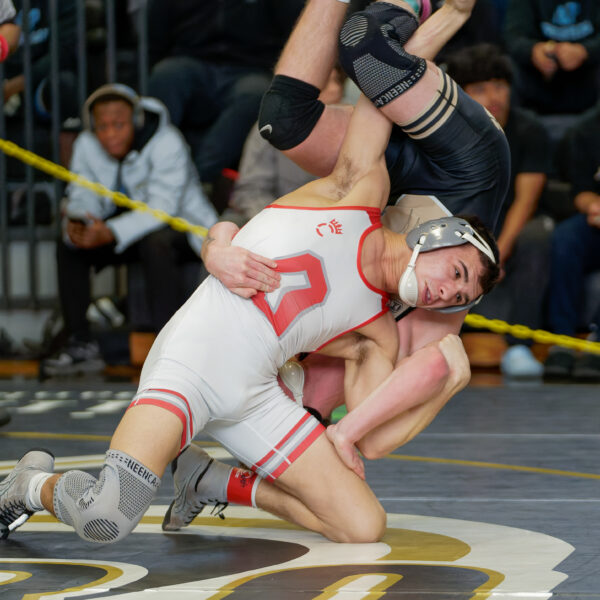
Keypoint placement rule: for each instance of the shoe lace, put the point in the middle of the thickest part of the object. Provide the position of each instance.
(218, 509)
(11, 512)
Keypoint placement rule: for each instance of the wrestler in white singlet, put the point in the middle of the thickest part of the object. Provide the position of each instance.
(215, 363)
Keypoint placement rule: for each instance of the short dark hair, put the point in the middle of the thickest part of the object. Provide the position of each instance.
(491, 271)
(106, 98)
(481, 62)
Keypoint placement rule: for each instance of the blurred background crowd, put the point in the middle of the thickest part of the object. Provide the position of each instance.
(158, 99)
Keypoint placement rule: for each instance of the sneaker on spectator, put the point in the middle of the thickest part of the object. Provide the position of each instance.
(587, 367)
(560, 363)
(75, 358)
(519, 362)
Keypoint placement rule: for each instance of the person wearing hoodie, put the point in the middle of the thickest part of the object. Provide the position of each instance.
(129, 146)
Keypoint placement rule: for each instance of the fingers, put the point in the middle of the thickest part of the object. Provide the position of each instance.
(346, 451)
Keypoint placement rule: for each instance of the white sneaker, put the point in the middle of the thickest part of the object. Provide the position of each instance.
(14, 510)
(199, 480)
(518, 362)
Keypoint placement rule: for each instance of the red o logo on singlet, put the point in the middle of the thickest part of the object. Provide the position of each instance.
(298, 299)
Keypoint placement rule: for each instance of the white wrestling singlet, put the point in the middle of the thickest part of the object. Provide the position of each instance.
(215, 363)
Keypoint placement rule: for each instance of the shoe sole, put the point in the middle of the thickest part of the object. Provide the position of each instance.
(21, 520)
(166, 520)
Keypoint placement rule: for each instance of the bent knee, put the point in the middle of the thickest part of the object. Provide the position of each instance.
(367, 529)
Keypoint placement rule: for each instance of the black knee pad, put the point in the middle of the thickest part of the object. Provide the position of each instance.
(372, 53)
(289, 111)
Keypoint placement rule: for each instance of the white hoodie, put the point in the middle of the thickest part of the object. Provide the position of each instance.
(161, 174)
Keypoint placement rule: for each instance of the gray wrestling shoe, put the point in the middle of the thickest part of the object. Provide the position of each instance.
(199, 480)
(13, 489)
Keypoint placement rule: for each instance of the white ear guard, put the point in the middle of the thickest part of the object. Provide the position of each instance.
(432, 235)
(408, 287)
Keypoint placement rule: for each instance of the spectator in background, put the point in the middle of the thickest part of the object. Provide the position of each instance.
(38, 28)
(556, 47)
(39, 36)
(9, 40)
(576, 251)
(265, 173)
(9, 30)
(211, 63)
(523, 241)
(128, 145)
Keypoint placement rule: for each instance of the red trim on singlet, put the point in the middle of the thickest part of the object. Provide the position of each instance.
(373, 212)
(296, 452)
(187, 404)
(308, 440)
(171, 408)
(186, 420)
(373, 318)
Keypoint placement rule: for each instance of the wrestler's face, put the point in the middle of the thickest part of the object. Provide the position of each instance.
(113, 126)
(493, 95)
(448, 276)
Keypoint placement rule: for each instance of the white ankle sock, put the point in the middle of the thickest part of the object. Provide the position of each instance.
(33, 498)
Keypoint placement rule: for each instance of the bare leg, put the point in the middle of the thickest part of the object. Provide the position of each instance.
(148, 433)
(311, 51)
(318, 492)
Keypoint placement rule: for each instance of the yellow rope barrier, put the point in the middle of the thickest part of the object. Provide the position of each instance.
(477, 321)
(537, 335)
(117, 197)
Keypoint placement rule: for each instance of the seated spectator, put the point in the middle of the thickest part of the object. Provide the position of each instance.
(265, 173)
(556, 48)
(14, 78)
(576, 251)
(523, 241)
(211, 63)
(128, 145)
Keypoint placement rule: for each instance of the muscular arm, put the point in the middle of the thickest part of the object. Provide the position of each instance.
(406, 402)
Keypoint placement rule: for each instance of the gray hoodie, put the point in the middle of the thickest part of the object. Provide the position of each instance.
(159, 173)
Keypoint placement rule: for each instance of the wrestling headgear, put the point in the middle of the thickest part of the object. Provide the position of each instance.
(432, 235)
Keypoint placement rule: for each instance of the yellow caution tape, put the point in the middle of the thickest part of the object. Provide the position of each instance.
(495, 325)
(117, 197)
(537, 335)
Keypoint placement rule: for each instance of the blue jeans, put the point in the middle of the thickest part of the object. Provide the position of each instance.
(214, 106)
(575, 253)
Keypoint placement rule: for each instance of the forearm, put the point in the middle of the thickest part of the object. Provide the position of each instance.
(11, 33)
(415, 380)
(585, 200)
(311, 50)
(218, 236)
(435, 32)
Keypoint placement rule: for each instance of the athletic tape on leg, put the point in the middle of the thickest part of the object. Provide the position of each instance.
(372, 54)
(106, 509)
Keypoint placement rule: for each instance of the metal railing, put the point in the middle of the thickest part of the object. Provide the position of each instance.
(56, 133)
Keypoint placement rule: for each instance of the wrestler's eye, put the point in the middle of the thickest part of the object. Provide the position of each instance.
(458, 298)
(456, 273)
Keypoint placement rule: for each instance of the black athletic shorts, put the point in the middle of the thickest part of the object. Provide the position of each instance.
(465, 163)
